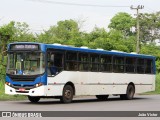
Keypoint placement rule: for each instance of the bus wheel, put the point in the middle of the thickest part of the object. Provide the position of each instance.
(129, 94)
(102, 97)
(33, 99)
(67, 94)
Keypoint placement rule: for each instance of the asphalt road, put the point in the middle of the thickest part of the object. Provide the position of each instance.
(139, 103)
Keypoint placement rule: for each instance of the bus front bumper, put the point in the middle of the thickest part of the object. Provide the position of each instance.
(38, 91)
(45, 90)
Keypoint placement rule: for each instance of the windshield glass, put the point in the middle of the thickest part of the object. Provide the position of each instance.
(26, 63)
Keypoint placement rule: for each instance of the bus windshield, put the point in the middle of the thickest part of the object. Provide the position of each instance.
(25, 63)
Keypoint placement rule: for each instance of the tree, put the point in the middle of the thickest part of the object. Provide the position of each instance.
(21, 32)
(98, 38)
(119, 42)
(122, 22)
(149, 27)
(66, 32)
(6, 35)
(13, 32)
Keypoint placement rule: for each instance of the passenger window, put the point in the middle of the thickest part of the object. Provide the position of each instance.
(140, 65)
(148, 66)
(118, 64)
(130, 65)
(94, 62)
(83, 59)
(71, 61)
(106, 63)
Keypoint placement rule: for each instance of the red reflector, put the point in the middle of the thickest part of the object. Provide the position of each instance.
(21, 89)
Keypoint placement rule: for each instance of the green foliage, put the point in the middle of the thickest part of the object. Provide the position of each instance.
(22, 33)
(149, 26)
(13, 32)
(6, 33)
(66, 32)
(122, 22)
(150, 50)
(3, 63)
(157, 88)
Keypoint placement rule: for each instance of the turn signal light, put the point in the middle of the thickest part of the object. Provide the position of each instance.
(7, 83)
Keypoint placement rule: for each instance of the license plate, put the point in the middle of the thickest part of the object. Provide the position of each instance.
(21, 89)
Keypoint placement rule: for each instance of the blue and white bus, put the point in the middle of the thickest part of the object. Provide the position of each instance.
(59, 71)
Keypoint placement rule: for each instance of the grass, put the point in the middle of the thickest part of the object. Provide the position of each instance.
(4, 96)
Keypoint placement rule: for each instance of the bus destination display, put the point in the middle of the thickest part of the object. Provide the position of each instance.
(24, 47)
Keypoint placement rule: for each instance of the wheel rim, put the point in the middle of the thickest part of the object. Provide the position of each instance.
(68, 94)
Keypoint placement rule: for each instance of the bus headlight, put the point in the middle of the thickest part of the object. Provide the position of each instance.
(39, 84)
(7, 83)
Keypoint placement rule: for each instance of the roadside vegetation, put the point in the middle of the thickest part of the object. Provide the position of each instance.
(68, 32)
(157, 91)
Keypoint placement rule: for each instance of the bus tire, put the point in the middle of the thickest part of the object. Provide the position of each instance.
(67, 94)
(102, 97)
(129, 93)
(33, 99)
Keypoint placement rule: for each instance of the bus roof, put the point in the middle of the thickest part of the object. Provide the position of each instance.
(99, 51)
(85, 49)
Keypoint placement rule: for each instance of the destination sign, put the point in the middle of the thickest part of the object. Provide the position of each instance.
(24, 47)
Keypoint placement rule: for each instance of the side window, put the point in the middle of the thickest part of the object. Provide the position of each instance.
(148, 66)
(94, 59)
(140, 65)
(11, 61)
(83, 59)
(118, 64)
(130, 65)
(106, 63)
(71, 61)
(55, 62)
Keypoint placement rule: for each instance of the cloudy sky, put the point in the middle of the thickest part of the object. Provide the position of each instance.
(40, 14)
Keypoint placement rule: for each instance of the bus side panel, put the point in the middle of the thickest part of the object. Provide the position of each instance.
(54, 90)
(97, 83)
(147, 85)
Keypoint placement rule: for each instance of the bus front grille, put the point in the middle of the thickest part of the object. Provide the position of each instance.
(22, 78)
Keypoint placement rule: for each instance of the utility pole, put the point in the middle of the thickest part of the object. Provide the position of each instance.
(138, 31)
